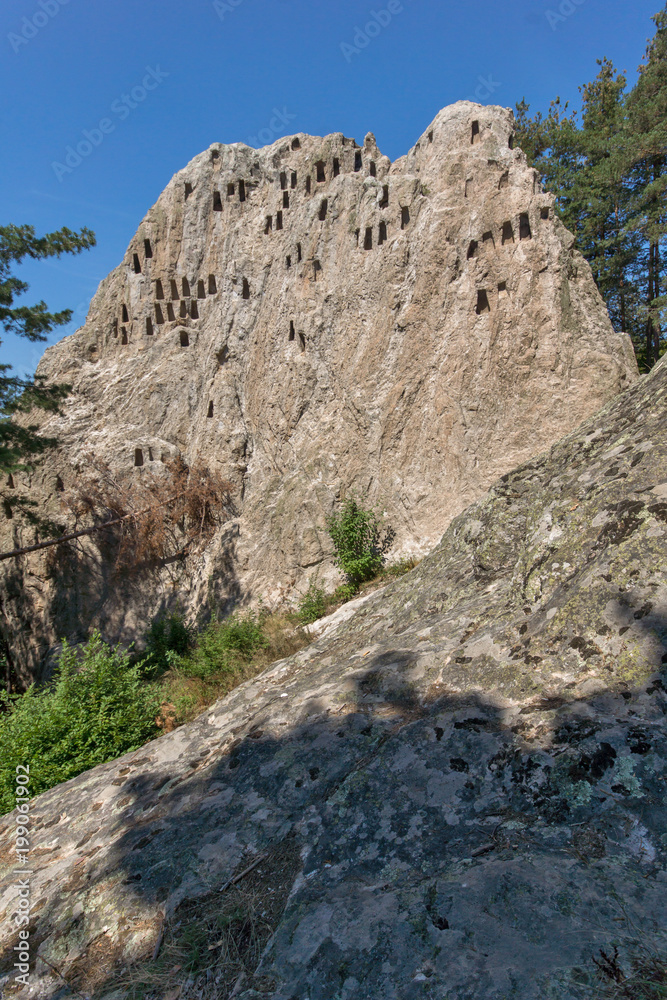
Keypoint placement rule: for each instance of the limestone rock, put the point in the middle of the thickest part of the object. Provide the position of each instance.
(466, 778)
(311, 319)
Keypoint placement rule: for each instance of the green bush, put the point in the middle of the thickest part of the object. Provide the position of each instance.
(222, 645)
(360, 541)
(313, 605)
(167, 639)
(98, 707)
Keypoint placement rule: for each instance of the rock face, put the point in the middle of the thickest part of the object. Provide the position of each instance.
(462, 781)
(309, 319)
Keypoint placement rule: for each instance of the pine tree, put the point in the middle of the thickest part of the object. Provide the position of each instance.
(607, 167)
(647, 156)
(20, 443)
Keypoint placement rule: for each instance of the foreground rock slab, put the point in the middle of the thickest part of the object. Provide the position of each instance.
(458, 791)
(310, 319)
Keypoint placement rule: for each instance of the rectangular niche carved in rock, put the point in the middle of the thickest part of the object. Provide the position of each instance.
(246, 289)
(323, 210)
(358, 162)
(268, 226)
(188, 190)
(283, 181)
(138, 458)
(279, 220)
(194, 309)
(115, 328)
(308, 185)
(384, 203)
(296, 144)
(508, 233)
(544, 213)
(159, 318)
(217, 202)
(298, 252)
(482, 302)
(288, 262)
(125, 316)
(472, 249)
(212, 286)
(174, 289)
(382, 234)
(502, 290)
(475, 136)
(201, 290)
(405, 217)
(504, 181)
(184, 339)
(159, 292)
(336, 166)
(186, 288)
(183, 312)
(230, 190)
(302, 342)
(372, 168)
(469, 188)
(524, 227)
(241, 190)
(123, 338)
(368, 238)
(293, 180)
(488, 238)
(170, 313)
(285, 199)
(136, 264)
(317, 267)
(148, 250)
(210, 410)
(321, 172)
(292, 332)
(149, 326)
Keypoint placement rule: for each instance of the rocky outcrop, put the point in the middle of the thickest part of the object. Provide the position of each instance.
(458, 790)
(309, 319)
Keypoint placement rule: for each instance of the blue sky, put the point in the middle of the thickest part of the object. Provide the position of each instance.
(170, 77)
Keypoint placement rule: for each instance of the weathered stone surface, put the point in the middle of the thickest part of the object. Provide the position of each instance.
(467, 338)
(472, 765)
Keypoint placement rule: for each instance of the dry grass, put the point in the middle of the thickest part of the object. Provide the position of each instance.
(185, 697)
(215, 943)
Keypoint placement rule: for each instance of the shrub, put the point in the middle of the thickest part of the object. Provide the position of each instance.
(313, 605)
(98, 707)
(167, 639)
(360, 541)
(222, 645)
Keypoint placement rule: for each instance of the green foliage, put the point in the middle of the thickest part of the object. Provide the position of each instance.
(223, 645)
(34, 323)
(98, 707)
(344, 593)
(607, 166)
(313, 605)
(168, 638)
(360, 541)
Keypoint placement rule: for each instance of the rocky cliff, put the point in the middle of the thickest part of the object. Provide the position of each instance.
(457, 791)
(310, 318)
